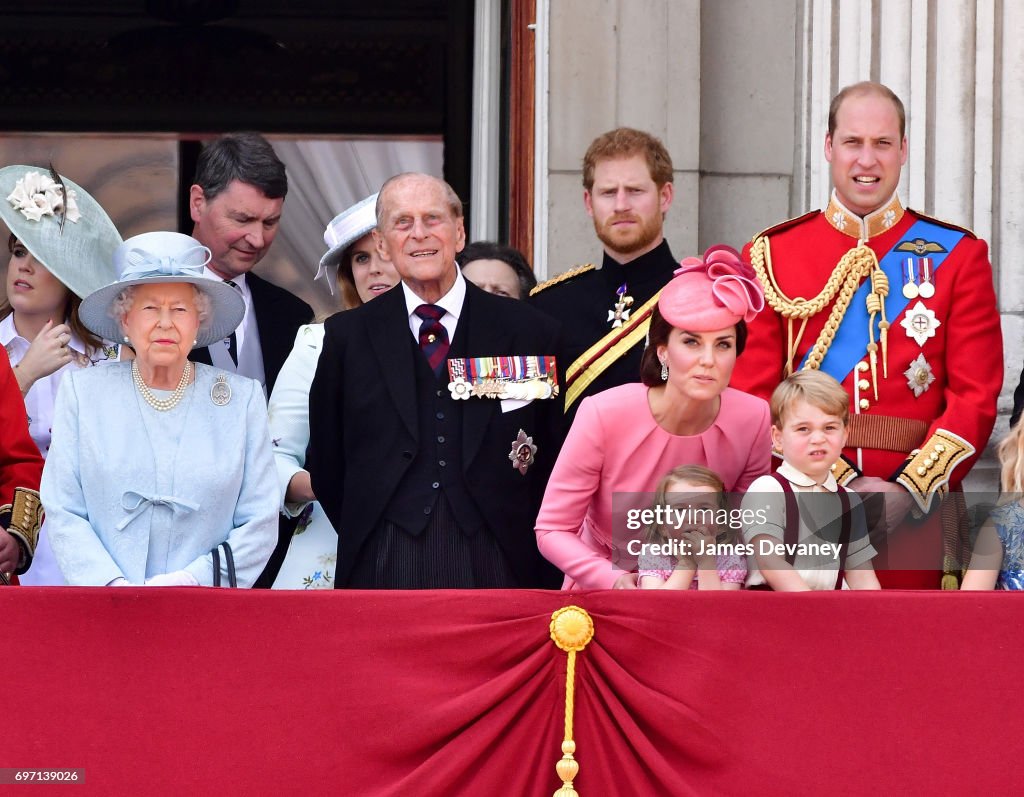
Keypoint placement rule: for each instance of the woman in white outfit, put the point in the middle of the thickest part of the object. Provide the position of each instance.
(362, 275)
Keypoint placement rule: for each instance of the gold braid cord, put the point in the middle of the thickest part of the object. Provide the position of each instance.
(846, 277)
(571, 630)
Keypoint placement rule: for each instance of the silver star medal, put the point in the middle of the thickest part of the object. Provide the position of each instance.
(221, 391)
(920, 323)
(523, 452)
(919, 375)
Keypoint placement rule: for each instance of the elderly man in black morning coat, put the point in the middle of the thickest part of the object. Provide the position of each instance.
(430, 467)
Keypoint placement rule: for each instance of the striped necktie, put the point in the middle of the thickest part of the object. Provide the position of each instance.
(433, 335)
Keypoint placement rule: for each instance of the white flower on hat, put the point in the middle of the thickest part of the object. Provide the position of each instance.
(36, 195)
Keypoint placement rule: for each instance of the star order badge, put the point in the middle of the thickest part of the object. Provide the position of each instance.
(920, 323)
(523, 452)
(919, 375)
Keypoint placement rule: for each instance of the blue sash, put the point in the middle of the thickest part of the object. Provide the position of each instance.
(849, 345)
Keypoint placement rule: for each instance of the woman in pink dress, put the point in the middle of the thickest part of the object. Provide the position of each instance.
(683, 412)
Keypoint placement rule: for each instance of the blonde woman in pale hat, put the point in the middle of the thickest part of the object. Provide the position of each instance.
(61, 246)
(682, 412)
(306, 556)
(157, 461)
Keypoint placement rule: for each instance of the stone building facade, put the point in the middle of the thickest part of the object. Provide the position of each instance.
(739, 91)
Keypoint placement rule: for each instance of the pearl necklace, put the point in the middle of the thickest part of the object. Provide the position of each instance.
(172, 401)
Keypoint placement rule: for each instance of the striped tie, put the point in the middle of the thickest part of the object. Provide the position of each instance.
(433, 335)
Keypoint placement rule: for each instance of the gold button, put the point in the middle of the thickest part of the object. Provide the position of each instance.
(922, 471)
(929, 464)
(863, 384)
(934, 457)
(864, 404)
(940, 448)
(862, 366)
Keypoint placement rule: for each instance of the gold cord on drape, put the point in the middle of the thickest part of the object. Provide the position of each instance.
(571, 630)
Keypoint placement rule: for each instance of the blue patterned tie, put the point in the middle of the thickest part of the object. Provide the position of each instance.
(433, 335)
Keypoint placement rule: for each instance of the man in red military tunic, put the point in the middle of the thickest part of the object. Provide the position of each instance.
(20, 469)
(900, 309)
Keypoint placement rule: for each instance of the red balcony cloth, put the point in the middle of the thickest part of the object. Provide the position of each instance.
(198, 691)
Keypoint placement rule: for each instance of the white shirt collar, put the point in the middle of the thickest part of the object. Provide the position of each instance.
(7, 330)
(451, 301)
(800, 479)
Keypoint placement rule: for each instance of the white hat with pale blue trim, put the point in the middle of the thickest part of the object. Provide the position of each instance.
(344, 230)
(160, 257)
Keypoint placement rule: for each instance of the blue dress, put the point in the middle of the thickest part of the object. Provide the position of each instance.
(1009, 523)
(133, 492)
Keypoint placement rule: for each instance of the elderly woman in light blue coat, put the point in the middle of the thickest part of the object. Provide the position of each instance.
(157, 461)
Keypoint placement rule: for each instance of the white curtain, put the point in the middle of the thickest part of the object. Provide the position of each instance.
(324, 178)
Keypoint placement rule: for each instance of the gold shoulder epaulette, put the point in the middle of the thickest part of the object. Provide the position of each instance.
(943, 223)
(565, 275)
(783, 225)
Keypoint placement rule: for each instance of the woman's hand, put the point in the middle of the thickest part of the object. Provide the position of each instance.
(46, 354)
(625, 581)
(299, 489)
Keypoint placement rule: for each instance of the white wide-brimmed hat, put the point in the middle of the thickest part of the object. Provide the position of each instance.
(164, 257)
(344, 230)
(72, 237)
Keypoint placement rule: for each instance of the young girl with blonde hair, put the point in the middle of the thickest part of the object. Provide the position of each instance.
(997, 561)
(697, 495)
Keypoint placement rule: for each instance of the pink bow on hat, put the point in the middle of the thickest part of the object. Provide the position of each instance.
(717, 289)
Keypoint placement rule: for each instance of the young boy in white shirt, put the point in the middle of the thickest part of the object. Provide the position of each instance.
(827, 541)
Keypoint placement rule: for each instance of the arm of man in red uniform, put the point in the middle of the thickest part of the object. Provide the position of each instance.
(20, 465)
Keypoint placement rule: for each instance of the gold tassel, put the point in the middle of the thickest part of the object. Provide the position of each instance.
(571, 630)
(873, 354)
(880, 287)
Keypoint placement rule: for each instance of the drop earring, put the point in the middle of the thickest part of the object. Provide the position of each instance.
(664, 371)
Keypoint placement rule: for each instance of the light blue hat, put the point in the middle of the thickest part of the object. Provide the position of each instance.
(158, 257)
(72, 237)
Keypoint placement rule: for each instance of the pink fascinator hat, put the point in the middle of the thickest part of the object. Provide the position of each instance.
(713, 292)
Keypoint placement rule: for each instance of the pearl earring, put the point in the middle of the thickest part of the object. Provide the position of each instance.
(664, 371)
(126, 339)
